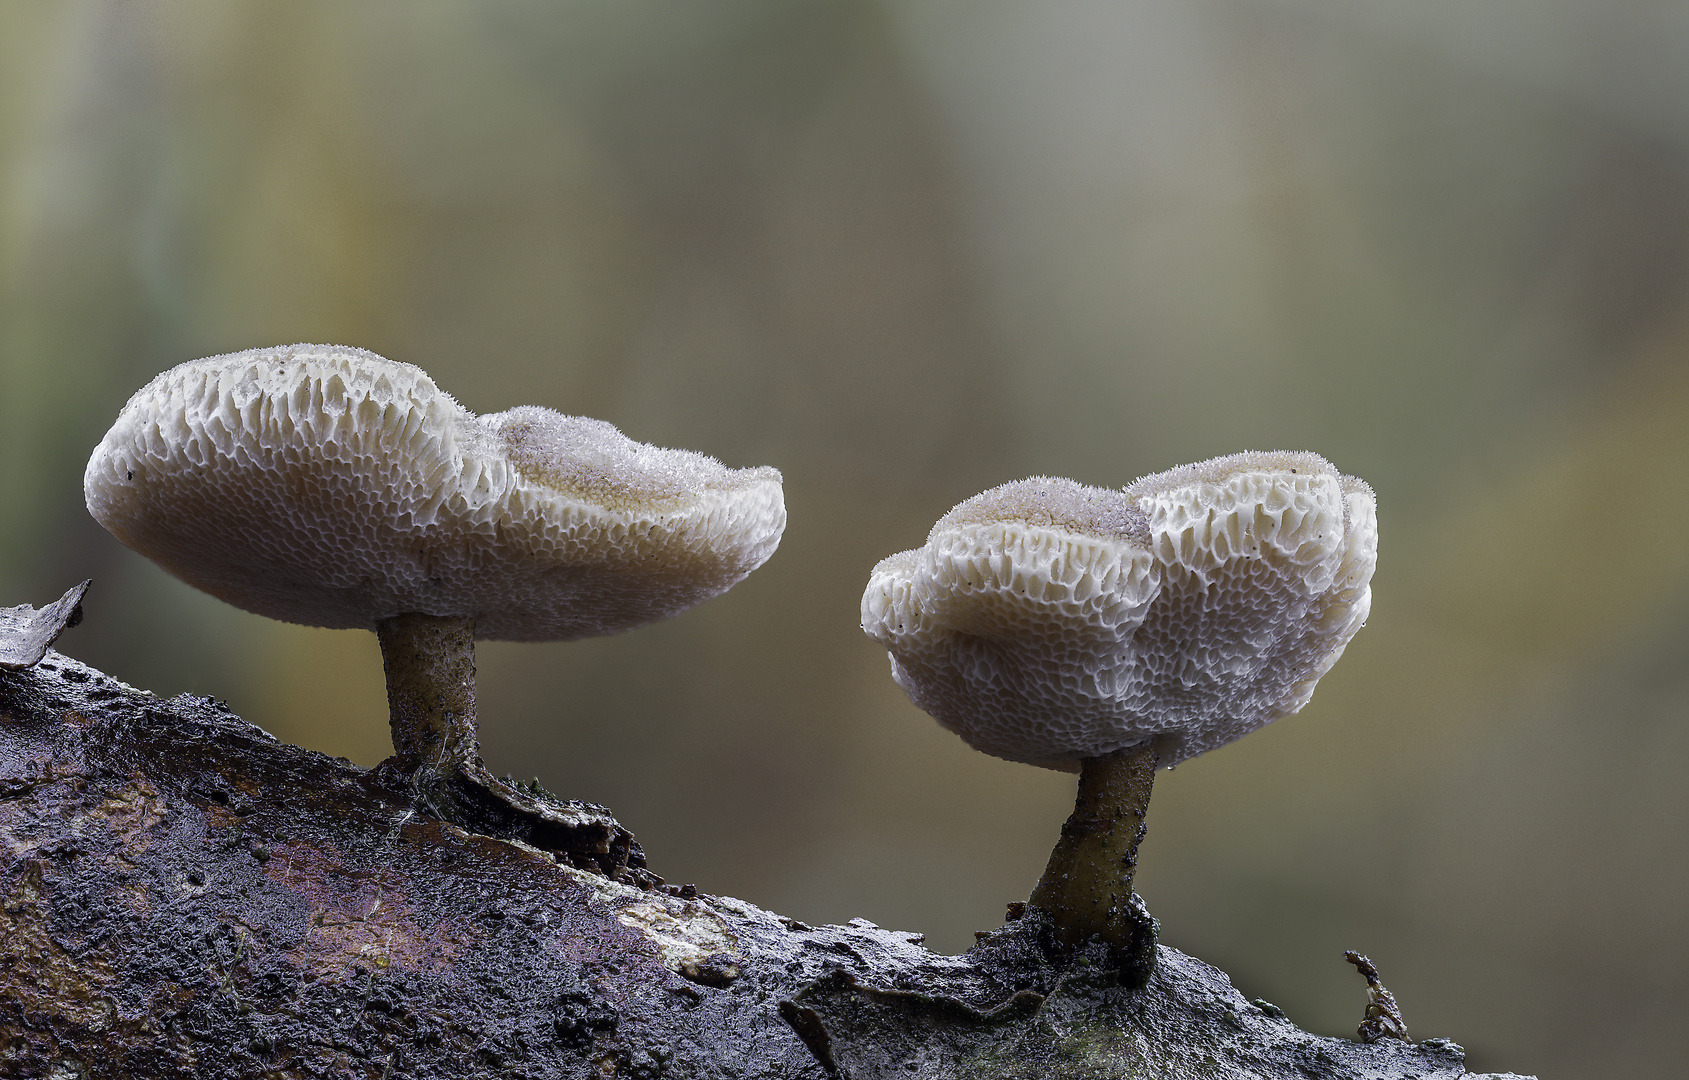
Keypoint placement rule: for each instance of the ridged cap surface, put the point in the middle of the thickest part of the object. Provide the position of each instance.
(1046, 621)
(325, 485)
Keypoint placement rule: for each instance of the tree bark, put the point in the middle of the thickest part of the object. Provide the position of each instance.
(181, 895)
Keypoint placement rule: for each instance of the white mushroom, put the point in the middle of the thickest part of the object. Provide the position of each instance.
(1111, 631)
(325, 485)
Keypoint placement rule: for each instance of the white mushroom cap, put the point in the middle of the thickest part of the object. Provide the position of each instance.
(325, 485)
(1046, 621)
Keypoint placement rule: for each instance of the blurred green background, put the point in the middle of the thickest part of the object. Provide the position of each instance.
(907, 251)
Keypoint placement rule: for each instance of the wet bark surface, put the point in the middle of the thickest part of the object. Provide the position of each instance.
(181, 895)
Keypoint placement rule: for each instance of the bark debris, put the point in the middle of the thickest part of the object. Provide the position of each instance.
(27, 633)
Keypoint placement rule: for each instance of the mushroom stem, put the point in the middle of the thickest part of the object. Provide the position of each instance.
(1087, 886)
(430, 665)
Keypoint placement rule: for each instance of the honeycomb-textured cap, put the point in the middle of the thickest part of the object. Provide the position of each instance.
(325, 485)
(1046, 621)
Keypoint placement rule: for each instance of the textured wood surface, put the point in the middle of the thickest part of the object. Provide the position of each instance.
(181, 895)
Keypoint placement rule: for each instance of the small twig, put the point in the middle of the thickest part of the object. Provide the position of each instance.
(1383, 1015)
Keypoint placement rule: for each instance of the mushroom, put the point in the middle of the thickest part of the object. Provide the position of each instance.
(325, 485)
(1114, 632)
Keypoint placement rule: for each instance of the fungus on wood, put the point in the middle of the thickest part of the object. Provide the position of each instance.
(182, 895)
(1115, 632)
(328, 486)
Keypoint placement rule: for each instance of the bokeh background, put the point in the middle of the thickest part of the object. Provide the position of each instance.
(907, 251)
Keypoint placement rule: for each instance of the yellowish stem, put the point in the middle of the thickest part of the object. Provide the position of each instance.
(1087, 886)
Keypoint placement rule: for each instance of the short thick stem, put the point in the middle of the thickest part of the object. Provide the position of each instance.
(430, 664)
(1087, 886)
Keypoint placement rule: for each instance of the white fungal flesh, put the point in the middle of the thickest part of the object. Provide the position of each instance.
(1046, 621)
(328, 486)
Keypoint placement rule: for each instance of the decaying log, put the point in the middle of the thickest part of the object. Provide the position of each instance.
(183, 896)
